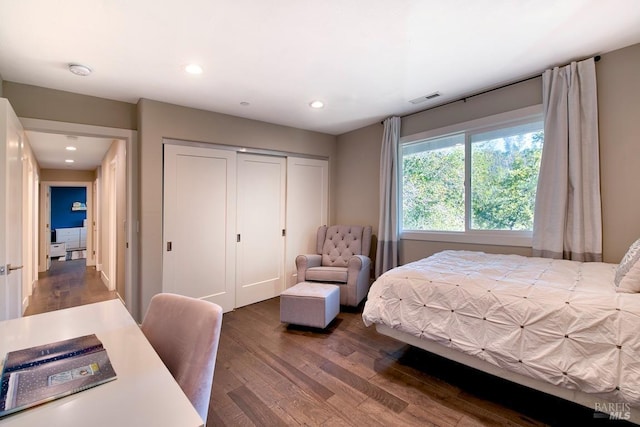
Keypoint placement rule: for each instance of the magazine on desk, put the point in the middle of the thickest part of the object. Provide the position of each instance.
(40, 374)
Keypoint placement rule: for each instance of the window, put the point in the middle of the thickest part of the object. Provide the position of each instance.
(475, 182)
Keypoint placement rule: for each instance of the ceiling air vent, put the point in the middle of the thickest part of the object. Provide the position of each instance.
(425, 98)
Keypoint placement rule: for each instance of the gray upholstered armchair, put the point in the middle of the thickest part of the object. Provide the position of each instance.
(342, 259)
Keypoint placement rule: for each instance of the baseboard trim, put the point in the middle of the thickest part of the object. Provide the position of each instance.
(105, 280)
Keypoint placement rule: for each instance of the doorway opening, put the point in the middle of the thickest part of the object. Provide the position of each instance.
(99, 252)
(68, 224)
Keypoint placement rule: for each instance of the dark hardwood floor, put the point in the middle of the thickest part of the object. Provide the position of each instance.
(271, 374)
(268, 374)
(67, 284)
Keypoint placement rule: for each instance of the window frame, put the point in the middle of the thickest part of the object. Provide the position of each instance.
(488, 237)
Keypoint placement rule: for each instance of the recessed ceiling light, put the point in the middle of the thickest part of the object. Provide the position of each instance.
(316, 104)
(69, 161)
(245, 104)
(70, 148)
(79, 69)
(193, 69)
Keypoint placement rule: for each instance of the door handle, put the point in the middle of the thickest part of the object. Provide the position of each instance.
(8, 269)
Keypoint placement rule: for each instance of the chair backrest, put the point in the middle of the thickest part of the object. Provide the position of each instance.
(338, 243)
(185, 333)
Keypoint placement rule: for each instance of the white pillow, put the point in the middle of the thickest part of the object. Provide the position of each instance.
(628, 271)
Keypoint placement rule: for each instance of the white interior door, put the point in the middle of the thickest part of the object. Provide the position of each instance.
(260, 227)
(307, 208)
(112, 226)
(30, 229)
(35, 206)
(97, 222)
(45, 227)
(10, 213)
(199, 223)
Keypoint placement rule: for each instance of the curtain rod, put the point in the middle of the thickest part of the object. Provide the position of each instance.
(464, 98)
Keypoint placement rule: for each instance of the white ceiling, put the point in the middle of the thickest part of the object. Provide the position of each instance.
(50, 150)
(364, 58)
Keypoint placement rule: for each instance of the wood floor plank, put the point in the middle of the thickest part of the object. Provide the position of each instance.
(259, 413)
(417, 394)
(352, 414)
(304, 410)
(224, 380)
(279, 392)
(231, 416)
(289, 405)
(365, 387)
(443, 403)
(467, 421)
(343, 389)
(405, 418)
(308, 362)
(336, 421)
(290, 371)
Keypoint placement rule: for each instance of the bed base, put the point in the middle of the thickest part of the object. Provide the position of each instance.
(585, 399)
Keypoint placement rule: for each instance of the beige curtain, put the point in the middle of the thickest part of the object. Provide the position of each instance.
(568, 218)
(387, 251)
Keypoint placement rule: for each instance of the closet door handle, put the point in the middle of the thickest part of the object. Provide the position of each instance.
(169, 247)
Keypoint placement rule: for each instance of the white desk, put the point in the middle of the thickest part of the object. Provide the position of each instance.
(144, 394)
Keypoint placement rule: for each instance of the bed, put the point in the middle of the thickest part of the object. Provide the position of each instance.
(558, 326)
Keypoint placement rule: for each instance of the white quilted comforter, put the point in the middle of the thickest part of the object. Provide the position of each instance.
(554, 320)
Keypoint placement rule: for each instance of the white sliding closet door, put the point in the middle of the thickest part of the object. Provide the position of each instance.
(199, 223)
(260, 228)
(307, 208)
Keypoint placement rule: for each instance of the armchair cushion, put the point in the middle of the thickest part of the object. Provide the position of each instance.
(327, 274)
(340, 244)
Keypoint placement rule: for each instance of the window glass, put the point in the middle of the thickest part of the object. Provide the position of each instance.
(499, 161)
(504, 177)
(433, 184)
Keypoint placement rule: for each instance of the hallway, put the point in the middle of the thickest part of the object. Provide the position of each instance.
(67, 284)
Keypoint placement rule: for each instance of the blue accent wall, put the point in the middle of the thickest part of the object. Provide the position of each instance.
(62, 199)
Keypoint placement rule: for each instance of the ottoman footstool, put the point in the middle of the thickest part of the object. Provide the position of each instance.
(310, 304)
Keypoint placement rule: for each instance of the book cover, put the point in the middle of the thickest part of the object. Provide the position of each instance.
(40, 374)
(32, 356)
